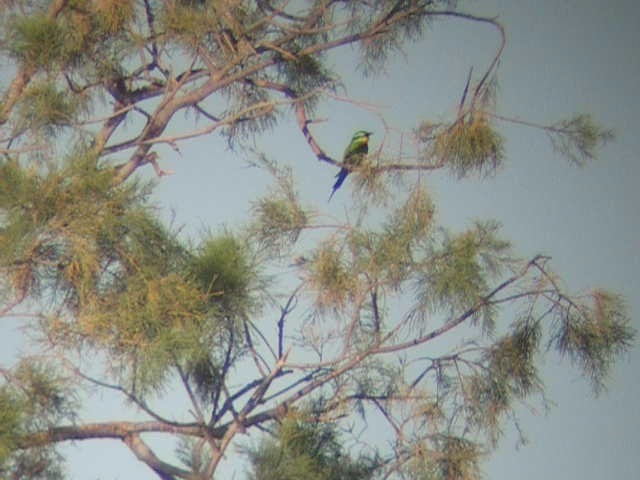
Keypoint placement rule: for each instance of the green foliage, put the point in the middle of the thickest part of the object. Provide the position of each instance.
(375, 379)
(218, 25)
(223, 268)
(11, 421)
(34, 464)
(406, 229)
(45, 107)
(330, 278)
(91, 247)
(305, 75)
(593, 334)
(71, 235)
(370, 187)
(34, 398)
(415, 218)
(306, 449)
(470, 145)
(578, 138)
(279, 222)
(150, 366)
(39, 41)
(207, 375)
(60, 225)
(45, 397)
(451, 458)
(113, 16)
(512, 358)
(149, 309)
(457, 274)
(84, 37)
(278, 218)
(190, 20)
(398, 27)
(251, 111)
(100, 276)
(510, 375)
(388, 255)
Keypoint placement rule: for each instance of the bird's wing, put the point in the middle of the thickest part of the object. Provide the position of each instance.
(355, 147)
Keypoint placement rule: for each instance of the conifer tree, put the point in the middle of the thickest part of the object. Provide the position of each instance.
(117, 300)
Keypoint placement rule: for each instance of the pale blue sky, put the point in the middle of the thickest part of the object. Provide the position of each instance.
(562, 57)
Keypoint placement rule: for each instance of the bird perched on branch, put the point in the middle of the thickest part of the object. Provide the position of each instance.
(353, 156)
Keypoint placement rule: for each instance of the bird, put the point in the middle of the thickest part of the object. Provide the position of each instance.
(352, 157)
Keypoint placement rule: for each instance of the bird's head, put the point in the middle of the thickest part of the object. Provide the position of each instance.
(361, 135)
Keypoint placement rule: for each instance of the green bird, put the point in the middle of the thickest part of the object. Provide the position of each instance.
(353, 156)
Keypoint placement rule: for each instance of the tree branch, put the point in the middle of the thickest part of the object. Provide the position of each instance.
(24, 74)
(113, 430)
(164, 470)
(301, 116)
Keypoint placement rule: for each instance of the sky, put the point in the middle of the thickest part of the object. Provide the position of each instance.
(562, 57)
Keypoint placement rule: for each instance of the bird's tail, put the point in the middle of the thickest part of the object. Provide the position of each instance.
(342, 174)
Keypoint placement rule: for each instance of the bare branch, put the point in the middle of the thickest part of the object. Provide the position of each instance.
(113, 430)
(164, 470)
(127, 394)
(301, 116)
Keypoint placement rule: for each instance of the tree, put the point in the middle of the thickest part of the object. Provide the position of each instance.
(307, 447)
(97, 85)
